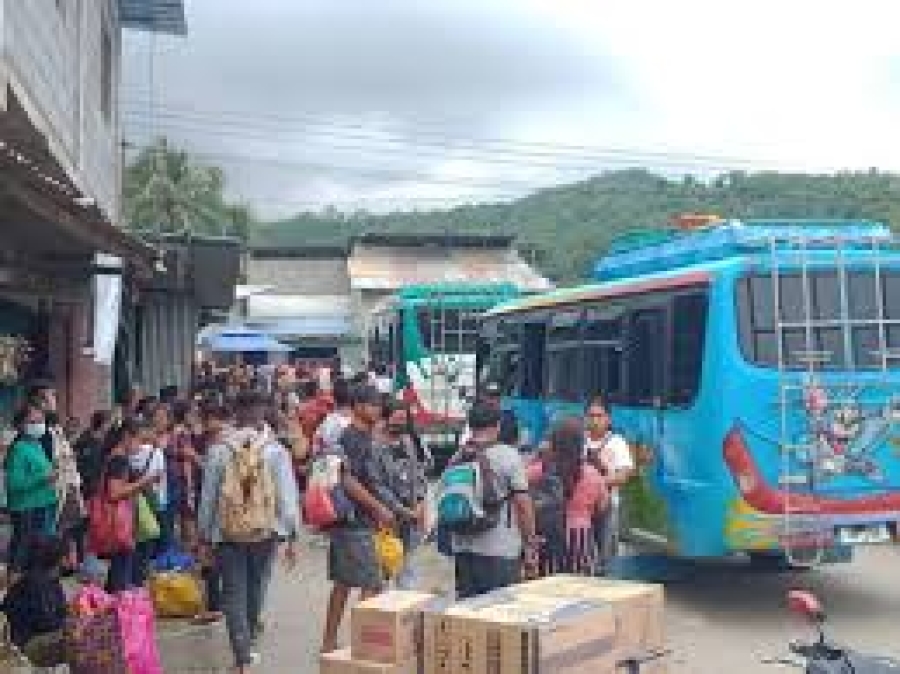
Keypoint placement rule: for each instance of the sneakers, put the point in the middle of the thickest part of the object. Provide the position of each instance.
(255, 658)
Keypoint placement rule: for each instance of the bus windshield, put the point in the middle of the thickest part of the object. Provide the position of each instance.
(841, 321)
(449, 330)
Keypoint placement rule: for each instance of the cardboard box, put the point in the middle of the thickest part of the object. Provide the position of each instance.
(639, 608)
(388, 628)
(438, 640)
(340, 662)
(506, 633)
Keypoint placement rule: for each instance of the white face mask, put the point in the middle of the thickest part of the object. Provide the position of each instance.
(36, 431)
(146, 448)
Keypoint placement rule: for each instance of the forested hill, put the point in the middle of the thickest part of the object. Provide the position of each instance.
(568, 227)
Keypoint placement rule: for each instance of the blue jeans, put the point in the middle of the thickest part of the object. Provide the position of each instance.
(120, 575)
(128, 570)
(244, 568)
(166, 540)
(408, 578)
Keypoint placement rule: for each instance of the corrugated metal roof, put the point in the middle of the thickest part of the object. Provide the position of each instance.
(383, 269)
(158, 16)
(271, 306)
(436, 239)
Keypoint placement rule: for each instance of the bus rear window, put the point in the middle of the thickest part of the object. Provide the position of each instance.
(829, 320)
(448, 330)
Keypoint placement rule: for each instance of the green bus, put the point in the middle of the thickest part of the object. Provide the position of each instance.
(428, 338)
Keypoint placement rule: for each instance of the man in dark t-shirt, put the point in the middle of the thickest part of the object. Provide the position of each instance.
(352, 560)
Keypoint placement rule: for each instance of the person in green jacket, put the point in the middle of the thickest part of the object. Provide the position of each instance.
(30, 493)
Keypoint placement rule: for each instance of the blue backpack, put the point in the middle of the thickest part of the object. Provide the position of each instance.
(470, 496)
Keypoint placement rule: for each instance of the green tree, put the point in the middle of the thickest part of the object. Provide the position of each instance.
(167, 192)
(568, 228)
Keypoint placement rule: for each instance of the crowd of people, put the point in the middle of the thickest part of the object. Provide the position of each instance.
(222, 469)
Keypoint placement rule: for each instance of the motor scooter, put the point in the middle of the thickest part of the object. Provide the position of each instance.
(824, 656)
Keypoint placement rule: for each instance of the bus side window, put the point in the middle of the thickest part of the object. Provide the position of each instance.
(564, 357)
(688, 340)
(645, 357)
(532, 359)
(603, 356)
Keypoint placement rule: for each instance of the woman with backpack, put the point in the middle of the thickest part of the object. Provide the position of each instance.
(568, 493)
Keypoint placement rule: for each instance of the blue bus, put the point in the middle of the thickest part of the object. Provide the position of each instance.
(753, 367)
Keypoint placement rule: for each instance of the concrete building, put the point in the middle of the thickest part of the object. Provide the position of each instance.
(60, 180)
(301, 296)
(322, 295)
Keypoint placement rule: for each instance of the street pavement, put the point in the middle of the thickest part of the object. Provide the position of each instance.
(721, 619)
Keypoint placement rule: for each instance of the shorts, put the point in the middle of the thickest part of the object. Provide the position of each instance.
(353, 561)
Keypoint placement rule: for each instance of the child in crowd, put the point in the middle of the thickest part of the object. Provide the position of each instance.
(35, 605)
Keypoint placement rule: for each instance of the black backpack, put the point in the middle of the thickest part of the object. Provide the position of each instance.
(549, 498)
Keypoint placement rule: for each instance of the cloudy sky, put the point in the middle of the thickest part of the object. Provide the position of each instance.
(422, 103)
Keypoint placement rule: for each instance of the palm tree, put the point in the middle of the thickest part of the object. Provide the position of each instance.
(166, 192)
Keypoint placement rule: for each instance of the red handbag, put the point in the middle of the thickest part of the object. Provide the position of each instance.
(110, 523)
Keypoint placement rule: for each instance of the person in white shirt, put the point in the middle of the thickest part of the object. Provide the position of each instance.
(610, 454)
(329, 433)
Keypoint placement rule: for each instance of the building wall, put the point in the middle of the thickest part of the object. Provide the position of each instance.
(51, 60)
(300, 276)
(167, 331)
(88, 384)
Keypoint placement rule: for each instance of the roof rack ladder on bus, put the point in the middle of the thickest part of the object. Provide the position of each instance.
(796, 247)
(812, 393)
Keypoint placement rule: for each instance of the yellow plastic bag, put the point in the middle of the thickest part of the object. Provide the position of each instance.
(390, 552)
(176, 594)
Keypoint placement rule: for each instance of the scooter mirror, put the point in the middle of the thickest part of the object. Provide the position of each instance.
(807, 605)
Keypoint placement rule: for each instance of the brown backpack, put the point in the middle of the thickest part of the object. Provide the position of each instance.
(247, 511)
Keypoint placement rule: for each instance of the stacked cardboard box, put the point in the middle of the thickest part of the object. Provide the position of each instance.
(341, 662)
(555, 625)
(638, 608)
(386, 636)
(508, 633)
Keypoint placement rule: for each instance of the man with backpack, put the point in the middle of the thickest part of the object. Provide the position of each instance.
(484, 502)
(492, 394)
(248, 502)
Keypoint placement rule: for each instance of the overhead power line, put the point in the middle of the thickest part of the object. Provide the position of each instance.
(375, 173)
(415, 149)
(309, 125)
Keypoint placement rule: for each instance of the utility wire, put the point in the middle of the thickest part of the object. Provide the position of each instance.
(311, 125)
(373, 173)
(415, 149)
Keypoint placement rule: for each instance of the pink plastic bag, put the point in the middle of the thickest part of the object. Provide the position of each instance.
(135, 611)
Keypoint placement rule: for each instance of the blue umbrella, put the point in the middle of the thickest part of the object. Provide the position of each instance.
(244, 341)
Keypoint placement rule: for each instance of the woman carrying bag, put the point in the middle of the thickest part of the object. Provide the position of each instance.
(30, 486)
(113, 509)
